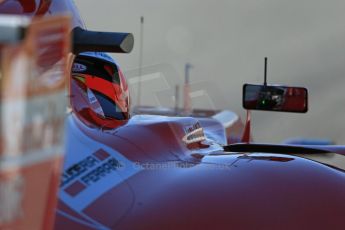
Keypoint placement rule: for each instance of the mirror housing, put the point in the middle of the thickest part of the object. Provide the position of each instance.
(112, 42)
(275, 98)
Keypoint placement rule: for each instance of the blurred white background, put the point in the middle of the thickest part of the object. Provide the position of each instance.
(226, 42)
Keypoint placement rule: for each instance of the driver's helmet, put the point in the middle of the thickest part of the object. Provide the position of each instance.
(98, 80)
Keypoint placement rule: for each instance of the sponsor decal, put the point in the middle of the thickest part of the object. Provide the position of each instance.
(77, 67)
(88, 171)
(194, 133)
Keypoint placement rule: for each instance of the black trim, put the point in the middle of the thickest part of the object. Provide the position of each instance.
(95, 67)
(268, 148)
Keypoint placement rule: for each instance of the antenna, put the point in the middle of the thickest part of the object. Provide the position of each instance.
(177, 98)
(140, 58)
(187, 105)
(265, 75)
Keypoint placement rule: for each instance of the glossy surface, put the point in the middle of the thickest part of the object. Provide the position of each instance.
(169, 187)
(275, 98)
(144, 175)
(36, 8)
(19, 7)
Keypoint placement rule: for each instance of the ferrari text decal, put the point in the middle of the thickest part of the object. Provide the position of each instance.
(95, 175)
(89, 170)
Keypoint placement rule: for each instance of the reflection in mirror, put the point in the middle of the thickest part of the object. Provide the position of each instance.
(275, 98)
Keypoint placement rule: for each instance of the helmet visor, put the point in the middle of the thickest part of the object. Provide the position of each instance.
(110, 109)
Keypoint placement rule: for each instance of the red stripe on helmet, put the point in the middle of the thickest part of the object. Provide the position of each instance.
(112, 90)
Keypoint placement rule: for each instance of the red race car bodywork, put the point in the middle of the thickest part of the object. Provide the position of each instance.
(161, 172)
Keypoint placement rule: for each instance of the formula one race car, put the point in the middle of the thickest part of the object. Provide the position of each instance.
(143, 171)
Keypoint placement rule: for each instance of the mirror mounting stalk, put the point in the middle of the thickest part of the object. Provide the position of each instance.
(265, 74)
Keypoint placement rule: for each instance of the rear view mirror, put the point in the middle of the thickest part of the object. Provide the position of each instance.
(275, 98)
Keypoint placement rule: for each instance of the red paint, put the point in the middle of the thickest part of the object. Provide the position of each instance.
(246, 132)
(231, 191)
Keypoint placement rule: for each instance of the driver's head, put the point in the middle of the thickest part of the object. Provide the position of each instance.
(104, 87)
